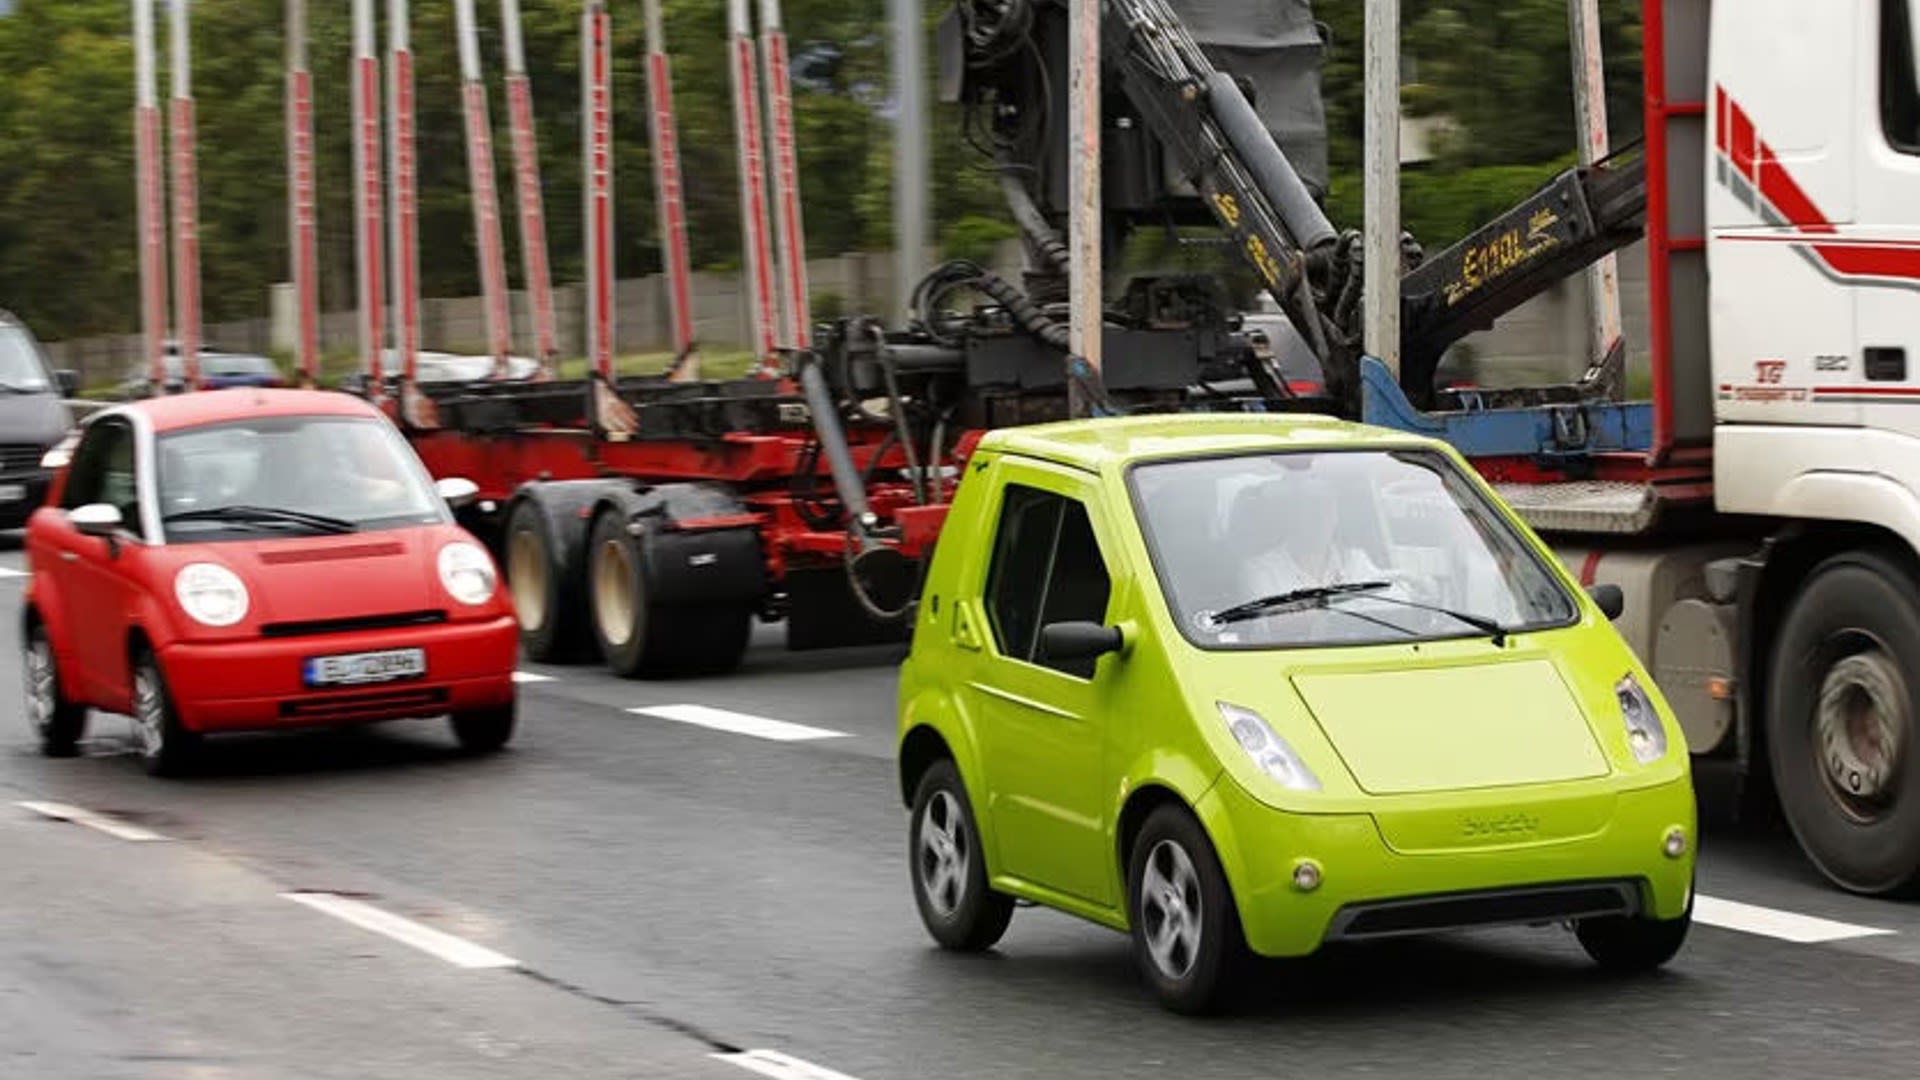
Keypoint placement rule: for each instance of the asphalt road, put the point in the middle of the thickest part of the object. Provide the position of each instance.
(624, 894)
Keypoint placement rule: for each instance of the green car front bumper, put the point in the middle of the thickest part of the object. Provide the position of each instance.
(1429, 867)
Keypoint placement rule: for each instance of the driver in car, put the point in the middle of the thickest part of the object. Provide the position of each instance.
(1291, 530)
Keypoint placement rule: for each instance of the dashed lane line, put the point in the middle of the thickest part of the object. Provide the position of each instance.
(10, 572)
(780, 1066)
(1774, 923)
(738, 723)
(456, 951)
(78, 816)
(529, 676)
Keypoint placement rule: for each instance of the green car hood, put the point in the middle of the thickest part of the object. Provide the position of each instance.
(1455, 727)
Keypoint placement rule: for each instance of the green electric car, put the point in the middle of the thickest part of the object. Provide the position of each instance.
(1252, 684)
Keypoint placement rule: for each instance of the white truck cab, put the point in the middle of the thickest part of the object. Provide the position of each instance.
(1784, 238)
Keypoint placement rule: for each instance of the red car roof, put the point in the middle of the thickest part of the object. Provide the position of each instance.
(176, 411)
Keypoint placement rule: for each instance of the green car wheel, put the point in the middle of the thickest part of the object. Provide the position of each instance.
(1186, 931)
(1630, 946)
(949, 872)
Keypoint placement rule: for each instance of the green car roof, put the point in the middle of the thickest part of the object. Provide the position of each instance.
(1098, 445)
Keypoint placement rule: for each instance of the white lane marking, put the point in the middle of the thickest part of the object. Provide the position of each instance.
(738, 723)
(781, 1066)
(105, 824)
(1773, 923)
(10, 572)
(457, 951)
(528, 676)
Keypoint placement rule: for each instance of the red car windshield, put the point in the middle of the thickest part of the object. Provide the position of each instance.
(291, 474)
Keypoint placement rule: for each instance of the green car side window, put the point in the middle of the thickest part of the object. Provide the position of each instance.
(1046, 568)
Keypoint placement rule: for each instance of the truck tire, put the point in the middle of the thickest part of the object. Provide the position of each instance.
(549, 593)
(639, 634)
(1841, 734)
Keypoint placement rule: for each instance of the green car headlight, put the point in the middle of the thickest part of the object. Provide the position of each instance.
(1646, 735)
(1267, 749)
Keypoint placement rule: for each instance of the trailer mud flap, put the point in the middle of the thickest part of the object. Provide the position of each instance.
(700, 566)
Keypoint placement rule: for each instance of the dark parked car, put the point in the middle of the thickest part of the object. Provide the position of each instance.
(218, 370)
(34, 420)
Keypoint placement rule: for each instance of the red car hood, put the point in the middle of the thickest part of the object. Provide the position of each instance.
(314, 578)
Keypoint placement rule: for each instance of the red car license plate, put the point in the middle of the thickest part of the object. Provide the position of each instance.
(354, 669)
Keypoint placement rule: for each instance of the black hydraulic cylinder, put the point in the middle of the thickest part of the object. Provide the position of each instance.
(1268, 166)
(833, 440)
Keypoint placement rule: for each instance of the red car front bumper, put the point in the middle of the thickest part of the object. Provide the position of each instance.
(257, 684)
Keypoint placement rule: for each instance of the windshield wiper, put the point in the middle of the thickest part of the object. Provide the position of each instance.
(1478, 622)
(1318, 595)
(251, 514)
(11, 388)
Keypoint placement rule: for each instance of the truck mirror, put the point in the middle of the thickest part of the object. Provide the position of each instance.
(69, 381)
(1611, 600)
(1078, 640)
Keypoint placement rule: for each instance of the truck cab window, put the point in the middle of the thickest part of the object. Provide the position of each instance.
(1899, 77)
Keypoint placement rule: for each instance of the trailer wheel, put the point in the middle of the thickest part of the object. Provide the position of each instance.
(1841, 732)
(642, 637)
(546, 588)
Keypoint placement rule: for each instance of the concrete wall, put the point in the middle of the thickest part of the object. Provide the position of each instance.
(1545, 339)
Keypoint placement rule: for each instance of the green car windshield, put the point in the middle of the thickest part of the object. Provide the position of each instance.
(1341, 547)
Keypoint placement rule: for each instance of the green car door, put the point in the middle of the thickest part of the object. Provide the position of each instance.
(1042, 721)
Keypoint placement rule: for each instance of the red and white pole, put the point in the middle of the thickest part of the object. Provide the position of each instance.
(666, 184)
(486, 201)
(596, 104)
(186, 225)
(526, 175)
(755, 248)
(301, 216)
(793, 247)
(402, 174)
(151, 194)
(369, 235)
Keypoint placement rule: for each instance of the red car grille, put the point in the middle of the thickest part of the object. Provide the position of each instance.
(359, 706)
(347, 626)
(330, 554)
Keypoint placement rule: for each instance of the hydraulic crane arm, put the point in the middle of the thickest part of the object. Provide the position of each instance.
(1216, 140)
(1200, 129)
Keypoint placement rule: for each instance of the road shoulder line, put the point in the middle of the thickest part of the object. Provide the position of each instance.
(79, 816)
(456, 951)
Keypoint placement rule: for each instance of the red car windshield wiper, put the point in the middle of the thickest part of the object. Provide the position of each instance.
(264, 514)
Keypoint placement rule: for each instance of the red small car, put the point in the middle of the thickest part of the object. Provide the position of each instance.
(254, 559)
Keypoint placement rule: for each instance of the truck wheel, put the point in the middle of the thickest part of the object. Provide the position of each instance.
(1841, 735)
(1186, 929)
(546, 590)
(643, 638)
(959, 909)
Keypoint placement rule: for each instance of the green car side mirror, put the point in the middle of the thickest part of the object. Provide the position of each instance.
(1611, 600)
(1078, 640)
